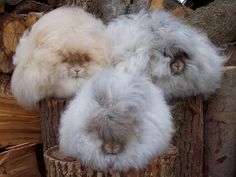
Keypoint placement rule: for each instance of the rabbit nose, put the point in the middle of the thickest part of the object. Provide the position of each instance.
(77, 70)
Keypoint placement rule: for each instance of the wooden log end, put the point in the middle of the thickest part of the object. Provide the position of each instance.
(58, 164)
(19, 160)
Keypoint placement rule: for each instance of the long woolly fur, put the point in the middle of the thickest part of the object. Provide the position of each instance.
(62, 32)
(137, 44)
(120, 91)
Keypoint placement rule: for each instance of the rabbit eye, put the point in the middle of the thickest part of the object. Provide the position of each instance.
(64, 60)
(165, 54)
(108, 117)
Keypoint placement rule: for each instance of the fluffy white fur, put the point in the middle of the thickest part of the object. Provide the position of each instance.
(138, 44)
(120, 91)
(62, 33)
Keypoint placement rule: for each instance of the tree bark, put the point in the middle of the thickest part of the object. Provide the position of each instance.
(50, 111)
(188, 116)
(230, 50)
(59, 165)
(113, 8)
(218, 20)
(26, 7)
(220, 126)
(105, 9)
(91, 6)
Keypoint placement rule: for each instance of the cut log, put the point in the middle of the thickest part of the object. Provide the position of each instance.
(218, 20)
(12, 26)
(2, 8)
(220, 126)
(157, 4)
(59, 165)
(6, 65)
(12, 29)
(13, 2)
(31, 18)
(31, 6)
(16, 124)
(19, 161)
(181, 12)
(50, 111)
(188, 116)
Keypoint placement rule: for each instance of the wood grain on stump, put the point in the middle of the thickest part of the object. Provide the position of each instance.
(220, 129)
(59, 165)
(50, 111)
(188, 116)
(12, 27)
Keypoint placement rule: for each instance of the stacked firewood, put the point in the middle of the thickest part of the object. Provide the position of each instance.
(20, 129)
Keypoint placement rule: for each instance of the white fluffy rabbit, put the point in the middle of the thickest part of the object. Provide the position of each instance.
(64, 48)
(117, 121)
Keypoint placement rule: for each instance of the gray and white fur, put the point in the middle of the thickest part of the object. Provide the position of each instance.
(117, 121)
(178, 58)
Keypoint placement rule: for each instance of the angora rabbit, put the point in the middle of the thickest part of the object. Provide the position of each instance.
(62, 49)
(119, 122)
(178, 59)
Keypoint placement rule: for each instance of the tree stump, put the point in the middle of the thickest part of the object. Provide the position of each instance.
(50, 111)
(218, 20)
(59, 165)
(187, 113)
(188, 116)
(220, 126)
